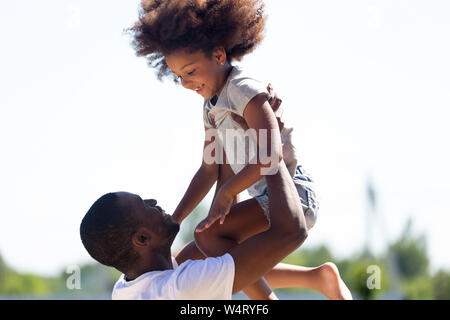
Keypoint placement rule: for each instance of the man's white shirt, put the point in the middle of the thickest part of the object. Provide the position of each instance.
(208, 279)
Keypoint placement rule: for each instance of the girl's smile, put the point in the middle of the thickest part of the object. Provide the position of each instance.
(200, 73)
(199, 89)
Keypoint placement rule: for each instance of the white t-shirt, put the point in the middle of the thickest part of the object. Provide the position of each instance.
(208, 279)
(237, 92)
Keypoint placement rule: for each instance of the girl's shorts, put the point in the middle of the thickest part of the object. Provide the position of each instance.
(305, 188)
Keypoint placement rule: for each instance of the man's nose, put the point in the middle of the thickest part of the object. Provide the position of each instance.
(151, 202)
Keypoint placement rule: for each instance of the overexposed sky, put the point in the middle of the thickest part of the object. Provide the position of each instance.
(366, 85)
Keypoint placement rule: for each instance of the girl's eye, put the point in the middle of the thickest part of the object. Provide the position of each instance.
(189, 73)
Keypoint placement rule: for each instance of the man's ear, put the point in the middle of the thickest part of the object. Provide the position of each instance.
(141, 238)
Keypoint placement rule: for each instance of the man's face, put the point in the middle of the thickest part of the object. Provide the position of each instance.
(162, 225)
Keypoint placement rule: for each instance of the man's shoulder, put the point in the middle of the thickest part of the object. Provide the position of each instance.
(210, 278)
(210, 262)
(144, 287)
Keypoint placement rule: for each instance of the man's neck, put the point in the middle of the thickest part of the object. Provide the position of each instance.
(155, 262)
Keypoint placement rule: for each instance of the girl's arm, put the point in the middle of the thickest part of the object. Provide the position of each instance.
(199, 187)
(259, 116)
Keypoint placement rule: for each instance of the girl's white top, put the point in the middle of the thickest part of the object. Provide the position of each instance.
(239, 89)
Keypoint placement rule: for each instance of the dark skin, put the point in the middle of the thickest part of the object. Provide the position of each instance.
(154, 237)
(154, 249)
(209, 73)
(253, 257)
(196, 70)
(159, 257)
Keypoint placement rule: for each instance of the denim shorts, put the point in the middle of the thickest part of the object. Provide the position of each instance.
(305, 188)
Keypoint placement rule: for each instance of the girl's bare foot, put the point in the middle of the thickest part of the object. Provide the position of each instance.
(331, 283)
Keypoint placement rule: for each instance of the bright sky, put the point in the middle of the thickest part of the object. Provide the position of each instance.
(366, 85)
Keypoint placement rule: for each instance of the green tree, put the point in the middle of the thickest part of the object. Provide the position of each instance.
(419, 288)
(410, 254)
(309, 257)
(3, 270)
(25, 284)
(367, 279)
(441, 285)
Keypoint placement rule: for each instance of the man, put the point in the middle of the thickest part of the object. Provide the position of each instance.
(135, 236)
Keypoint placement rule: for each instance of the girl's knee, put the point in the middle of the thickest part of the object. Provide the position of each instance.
(211, 244)
(203, 241)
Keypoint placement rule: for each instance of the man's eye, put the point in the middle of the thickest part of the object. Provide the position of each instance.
(191, 73)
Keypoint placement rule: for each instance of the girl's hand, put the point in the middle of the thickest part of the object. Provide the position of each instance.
(219, 209)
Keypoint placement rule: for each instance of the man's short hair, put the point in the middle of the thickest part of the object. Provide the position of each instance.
(106, 232)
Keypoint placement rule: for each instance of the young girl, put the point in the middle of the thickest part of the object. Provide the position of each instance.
(194, 42)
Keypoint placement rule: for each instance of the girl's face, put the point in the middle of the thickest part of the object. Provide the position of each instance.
(197, 72)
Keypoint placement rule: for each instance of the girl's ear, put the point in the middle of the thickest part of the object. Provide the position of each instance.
(141, 238)
(220, 55)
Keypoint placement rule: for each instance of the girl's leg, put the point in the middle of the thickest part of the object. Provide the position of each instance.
(244, 220)
(188, 251)
(324, 279)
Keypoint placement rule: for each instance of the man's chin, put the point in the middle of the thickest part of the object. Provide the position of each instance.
(173, 230)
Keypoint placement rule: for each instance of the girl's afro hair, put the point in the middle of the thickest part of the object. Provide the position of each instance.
(165, 26)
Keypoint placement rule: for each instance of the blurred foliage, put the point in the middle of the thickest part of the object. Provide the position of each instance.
(16, 284)
(410, 254)
(310, 257)
(358, 274)
(354, 271)
(419, 288)
(96, 281)
(405, 261)
(441, 285)
(408, 251)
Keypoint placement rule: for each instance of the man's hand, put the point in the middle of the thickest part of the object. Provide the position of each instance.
(219, 209)
(274, 102)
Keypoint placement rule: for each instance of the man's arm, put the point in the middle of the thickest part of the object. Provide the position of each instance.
(257, 255)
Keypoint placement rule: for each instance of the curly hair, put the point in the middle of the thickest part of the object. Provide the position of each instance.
(106, 232)
(165, 26)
